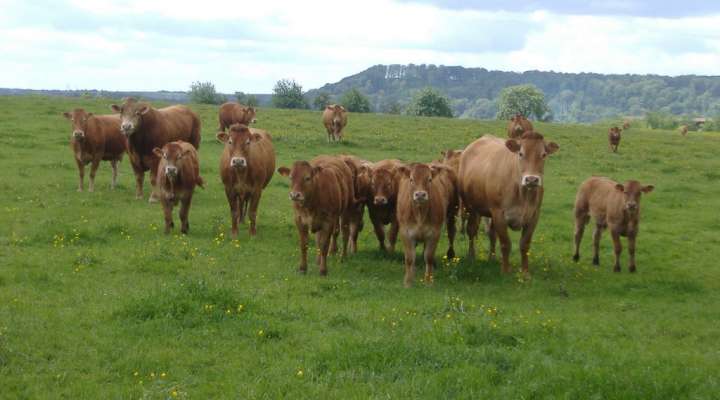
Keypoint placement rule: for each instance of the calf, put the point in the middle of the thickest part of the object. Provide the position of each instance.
(323, 195)
(518, 125)
(626, 125)
(334, 119)
(95, 138)
(382, 202)
(426, 199)
(451, 158)
(178, 174)
(614, 206)
(246, 167)
(363, 192)
(234, 113)
(614, 138)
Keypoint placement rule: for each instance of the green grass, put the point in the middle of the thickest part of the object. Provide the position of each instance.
(95, 302)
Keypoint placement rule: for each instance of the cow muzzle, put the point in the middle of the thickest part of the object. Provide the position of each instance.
(171, 171)
(420, 196)
(253, 121)
(126, 128)
(632, 207)
(296, 196)
(79, 135)
(531, 181)
(238, 162)
(380, 200)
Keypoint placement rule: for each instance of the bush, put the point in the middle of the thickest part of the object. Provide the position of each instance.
(391, 107)
(321, 100)
(354, 101)
(660, 120)
(430, 103)
(527, 100)
(204, 93)
(288, 94)
(249, 100)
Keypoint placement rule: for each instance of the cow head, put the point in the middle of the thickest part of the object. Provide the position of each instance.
(517, 124)
(238, 141)
(384, 184)
(131, 114)
(79, 119)
(615, 131)
(250, 114)
(632, 191)
(302, 180)
(420, 178)
(172, 156)
(337, 111)
(531, 150)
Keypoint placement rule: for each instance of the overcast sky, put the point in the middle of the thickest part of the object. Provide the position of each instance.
(248, 46)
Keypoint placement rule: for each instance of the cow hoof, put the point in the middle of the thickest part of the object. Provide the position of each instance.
(451, 253)
(596, 261)
(616, 269)
(323, 272)
(632, 269)
(302, 270)
(576, 257)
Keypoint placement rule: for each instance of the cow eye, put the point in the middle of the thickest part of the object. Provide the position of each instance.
(230, 141)
(307, 178)
(544, 155)
(247, 141)
(521, 154)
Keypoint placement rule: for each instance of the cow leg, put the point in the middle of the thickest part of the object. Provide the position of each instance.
(597, 234)
(356, 226)
(429, 253)
(139, 180)
(241, 207)
(463, 218)
(409, 246)
(334, 233)
(154, 163)
(184, 211)
(114, 165)
(254, 202)
(81, 174)
(379, 229)
(525, 240)
(580, 221)
(500, 228)
(303, 233)
(345, 228)
(472, 230)
(167, 211)
(617, 247)
(393, 234)
(323, 242)
(451, 231)
(631, 251)
(492, 238)
(93, 170)
(232, 199)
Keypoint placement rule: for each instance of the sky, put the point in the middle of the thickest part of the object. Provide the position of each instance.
(248, 46)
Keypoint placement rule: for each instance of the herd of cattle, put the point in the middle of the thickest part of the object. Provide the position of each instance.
(498, 181)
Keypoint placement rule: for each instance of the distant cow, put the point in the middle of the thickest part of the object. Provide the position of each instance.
(178, 174)
(614, 138)
(684, 130)
(451, 158)
(426, 200)
(234, 113)
(147, 128)
(614, 206)
(334, 119)
(363, 194)
(322, 194)
(382, 204)
(246, 167)
(626, 125)
(503, 180)
(95, 138)
(518, 125)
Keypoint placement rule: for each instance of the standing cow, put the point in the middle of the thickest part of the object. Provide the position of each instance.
(95, 138)
(614, 206)
(503, 180)
(518, 125)
(178, 174)
(334, 119)
(147, 128)
(382, 204)
(684, 130)
(363, 194)
(234, 113)
(427, 199)
(614, 138)
(626, 125)
(451, 158)
(246, 167)
(322, 194)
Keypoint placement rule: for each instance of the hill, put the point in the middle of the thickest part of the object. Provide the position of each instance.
(583, 97)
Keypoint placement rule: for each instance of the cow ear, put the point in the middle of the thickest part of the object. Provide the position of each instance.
(143, 110)
(647, 188)
(316, 170)
(551, 147)
(284, 171)
(222, 137)
(158, 152)
(403, 171)
(512, 145)
(619, 187)
(443, 153)
(116, 108)
(90, 115)
(365, 169)
(342, 108)
(67, 115)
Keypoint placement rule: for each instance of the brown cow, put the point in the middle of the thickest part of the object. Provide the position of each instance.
(684, 130)
(451, 158)
(95, 138)
(503, 180)
(626, 125)
(334, 119)
(382, 202)
(147, 128)
(518, 125)
(246, 167)
(178, 174)
(614, 206)
(426, 200)
(614, 138)
(323, 195)
(234, 113)
(363, 192)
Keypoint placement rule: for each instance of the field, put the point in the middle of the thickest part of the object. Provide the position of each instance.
(95, 302)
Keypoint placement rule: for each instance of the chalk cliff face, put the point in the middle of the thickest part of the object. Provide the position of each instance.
(583, 97)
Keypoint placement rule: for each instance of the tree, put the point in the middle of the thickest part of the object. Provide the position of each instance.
(204, 93)
(288, 94)
(249, 100)
(430, 103)
(391, 107)
(354, 101)
(527, 100)
(321, 100)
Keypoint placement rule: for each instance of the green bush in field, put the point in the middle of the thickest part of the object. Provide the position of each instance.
(204, 93)
(430, 103)
(321, 101)
(527, 100)
(288, 94)
(354, 101)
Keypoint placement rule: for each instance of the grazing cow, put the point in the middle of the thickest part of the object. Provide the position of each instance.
(614, 138)
(684, 130)
(363, 192)
(147, 128)
(323, 195)
(334, 119)
(382, 202)
(95, 138)
(426, 200)
(503, 180)
(614, 206)
(626, 125)
(451, 158)
(246, 167)
(518, 125)
(178, 174)
(234, 113)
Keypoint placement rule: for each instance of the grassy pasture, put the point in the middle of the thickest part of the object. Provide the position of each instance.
(95, 302)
